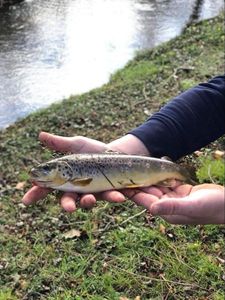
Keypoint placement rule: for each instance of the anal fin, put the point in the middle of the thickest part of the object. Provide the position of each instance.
(132, 186)
(167, 183)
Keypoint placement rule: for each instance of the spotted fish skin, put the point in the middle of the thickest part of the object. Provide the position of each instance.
(90, 173)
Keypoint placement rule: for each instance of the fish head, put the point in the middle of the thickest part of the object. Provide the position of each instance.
(51, 174)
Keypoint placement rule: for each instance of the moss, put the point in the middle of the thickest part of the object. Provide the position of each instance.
(211, 170)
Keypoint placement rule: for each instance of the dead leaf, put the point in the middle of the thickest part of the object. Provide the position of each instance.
(137, 298)
(72, 234)
(162, 229)
(218, 154)
(20, 185)
(23, 284)
(198, 153)
(220, 260)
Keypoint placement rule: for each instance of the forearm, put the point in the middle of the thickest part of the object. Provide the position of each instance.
(188, 122)
(129, 144)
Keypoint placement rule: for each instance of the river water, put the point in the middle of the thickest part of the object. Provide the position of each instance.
(52, 49)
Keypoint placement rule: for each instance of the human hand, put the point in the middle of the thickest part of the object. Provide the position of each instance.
(78, 144)
(183, 204)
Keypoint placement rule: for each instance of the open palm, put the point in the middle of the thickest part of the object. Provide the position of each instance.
(184, 204)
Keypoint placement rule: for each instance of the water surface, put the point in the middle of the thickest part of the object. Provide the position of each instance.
(52, 49)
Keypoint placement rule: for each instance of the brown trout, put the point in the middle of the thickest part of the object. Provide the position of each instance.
(91, 173)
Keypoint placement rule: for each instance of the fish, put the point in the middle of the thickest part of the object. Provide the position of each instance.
(98, 172)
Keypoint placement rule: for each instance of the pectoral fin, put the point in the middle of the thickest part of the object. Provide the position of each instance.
(59, 181)
(81, 181)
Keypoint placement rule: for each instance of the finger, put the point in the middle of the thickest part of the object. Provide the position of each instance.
(141, 198)
(77, 144)
(153, 191)
(183, 190)
(87, 201)
(164, 189)
(112, 196)
(68, 202)
(34, 194)
(179, 191)
(171, 206)
(170, 194)
(58, 143)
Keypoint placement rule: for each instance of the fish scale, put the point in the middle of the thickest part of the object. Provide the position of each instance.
(90, 173)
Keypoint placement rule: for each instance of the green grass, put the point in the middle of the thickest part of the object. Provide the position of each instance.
(211, 169)
(114, 256)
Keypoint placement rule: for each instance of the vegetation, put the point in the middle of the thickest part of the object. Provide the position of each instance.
(115, 251)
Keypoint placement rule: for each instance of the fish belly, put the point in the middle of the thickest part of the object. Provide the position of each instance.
(117, 180)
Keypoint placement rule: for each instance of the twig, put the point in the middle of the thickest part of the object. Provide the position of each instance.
(132, 217)
(118, 225)
(146, 99)
(161, 279)
(209, 174)
(144, 93)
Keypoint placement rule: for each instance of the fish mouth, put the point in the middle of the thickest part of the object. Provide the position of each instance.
(42, 183)
(37, 178)
(34, 173)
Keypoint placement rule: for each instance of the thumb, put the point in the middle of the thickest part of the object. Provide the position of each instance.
(171, 206)
(58, 143)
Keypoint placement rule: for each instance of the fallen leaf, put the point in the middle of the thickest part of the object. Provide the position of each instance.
(72, 234)
(146, 112)
(170, 235)
(20, 224)
(198, 153)
(23, 284)
(162, 229)
(218, 154)
(220, 260)
(20, 185)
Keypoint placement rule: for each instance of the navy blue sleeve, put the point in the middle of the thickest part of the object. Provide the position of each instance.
(188, 122)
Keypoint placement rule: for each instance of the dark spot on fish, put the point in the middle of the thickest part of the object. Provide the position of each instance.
(132, 181)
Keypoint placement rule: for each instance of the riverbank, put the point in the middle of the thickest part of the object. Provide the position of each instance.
(142, 257)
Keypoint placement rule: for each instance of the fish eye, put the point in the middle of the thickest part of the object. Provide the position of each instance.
(46, 168)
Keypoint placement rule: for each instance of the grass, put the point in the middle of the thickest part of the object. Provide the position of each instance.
(113, 257)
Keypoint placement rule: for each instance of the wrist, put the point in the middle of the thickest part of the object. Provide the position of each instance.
(129, 144)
